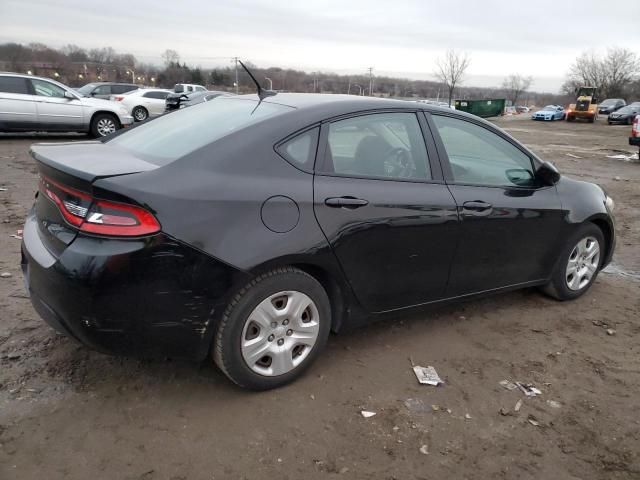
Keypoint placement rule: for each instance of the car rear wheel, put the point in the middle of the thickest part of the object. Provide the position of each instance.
(104, 124)
(140, 114)
(273, 329)
(579, 264)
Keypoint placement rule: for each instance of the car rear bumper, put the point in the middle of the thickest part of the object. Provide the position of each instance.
(145, 297)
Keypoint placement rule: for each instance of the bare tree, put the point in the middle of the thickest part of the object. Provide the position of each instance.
(451, 68)
(171, 58)
(516, 85)
(611, 73)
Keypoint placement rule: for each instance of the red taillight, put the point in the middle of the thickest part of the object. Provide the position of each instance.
(113, 218)
(100, 217)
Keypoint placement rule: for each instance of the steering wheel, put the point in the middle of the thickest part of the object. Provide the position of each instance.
(398, 163)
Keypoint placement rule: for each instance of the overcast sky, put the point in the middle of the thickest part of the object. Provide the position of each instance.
(398, 37)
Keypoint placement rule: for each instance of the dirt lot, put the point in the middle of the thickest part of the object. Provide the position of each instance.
(67, 412)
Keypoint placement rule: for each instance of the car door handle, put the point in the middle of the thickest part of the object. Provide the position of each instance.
(345, 202)
(476, 208)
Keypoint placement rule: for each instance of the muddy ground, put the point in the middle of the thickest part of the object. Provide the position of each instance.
(67, 412)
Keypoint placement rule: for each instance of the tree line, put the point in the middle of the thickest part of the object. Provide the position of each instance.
(616, 74)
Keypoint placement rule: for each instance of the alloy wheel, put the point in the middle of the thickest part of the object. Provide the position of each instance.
(106, 126)
(583, 263)
(280, 333)
(140, 114)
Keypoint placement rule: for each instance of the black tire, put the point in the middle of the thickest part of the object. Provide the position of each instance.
(226, 349)
(557, 287)
(97, 122)
(140, 114)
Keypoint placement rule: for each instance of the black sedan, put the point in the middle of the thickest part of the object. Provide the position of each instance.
(611, 105)
(176, 101)
(245, 229)
(625, 115)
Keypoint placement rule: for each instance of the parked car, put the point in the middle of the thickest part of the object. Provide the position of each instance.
(187, 88)
(625, 114)
(522, 109)
(106, 89)
(175, 101)
(611, 105)
(246, 229)
(32, 103)
(550, 113)
(510, 111)
(144, 103)
(634, 139)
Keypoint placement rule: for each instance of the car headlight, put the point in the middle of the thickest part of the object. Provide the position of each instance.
(609, 203)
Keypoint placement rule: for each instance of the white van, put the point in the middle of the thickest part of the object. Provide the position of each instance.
(188, 88)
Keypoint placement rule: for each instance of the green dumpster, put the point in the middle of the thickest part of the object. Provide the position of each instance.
(482, 108)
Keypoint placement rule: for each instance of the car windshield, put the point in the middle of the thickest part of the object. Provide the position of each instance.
(550, 107)
(87, 89)
(173, 136)
(608, 103)
(629, 108)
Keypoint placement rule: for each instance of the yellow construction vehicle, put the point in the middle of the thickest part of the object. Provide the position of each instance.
(586, 105)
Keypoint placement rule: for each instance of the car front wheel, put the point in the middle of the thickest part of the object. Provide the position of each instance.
(579, 264)
(273, 329)
(104, 124)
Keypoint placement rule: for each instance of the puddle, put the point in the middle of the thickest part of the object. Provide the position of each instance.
(613, 269)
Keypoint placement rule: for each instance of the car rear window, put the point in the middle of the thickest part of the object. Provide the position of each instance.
(13, 85)
(173, 136)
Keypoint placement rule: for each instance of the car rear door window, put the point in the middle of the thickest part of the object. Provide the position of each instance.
(14, 85)
(380, 145)
(300, 150)
(118, 89)
(479, 156)
(156, 95)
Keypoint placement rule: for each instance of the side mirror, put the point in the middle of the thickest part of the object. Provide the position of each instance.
(548, 173)
(69, 95)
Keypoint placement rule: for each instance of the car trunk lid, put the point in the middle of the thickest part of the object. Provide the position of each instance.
(65, 194)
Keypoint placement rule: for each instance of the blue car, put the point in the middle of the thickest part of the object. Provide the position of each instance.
(550, 113)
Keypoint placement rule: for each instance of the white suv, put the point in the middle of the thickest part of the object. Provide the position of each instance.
(31, 103)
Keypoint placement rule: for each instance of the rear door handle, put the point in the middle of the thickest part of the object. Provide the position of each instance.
(345, 202)
(476, 208)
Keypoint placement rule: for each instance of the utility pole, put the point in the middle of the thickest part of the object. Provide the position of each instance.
(235, 59)
(370, 81)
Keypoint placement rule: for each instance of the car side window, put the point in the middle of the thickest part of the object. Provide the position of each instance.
(480, 157)
(46, 89)
(102, 90)
(383, 145)
(156, 95)
(117, 89)
(300, 150)
(14, 85)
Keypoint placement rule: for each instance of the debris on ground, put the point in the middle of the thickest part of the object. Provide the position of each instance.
(611, 331)
(554, 404)
(427, 375)
(518, 406)
(424, 450)
(528, 389)
(3, 189)
(415, 405)
(572, 155)
(5, 275)
(367, 414)
(533, 421)
(467, 416)
(508, 384)
(17, 235)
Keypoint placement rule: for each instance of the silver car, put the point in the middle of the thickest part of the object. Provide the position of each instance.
(29, 103)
